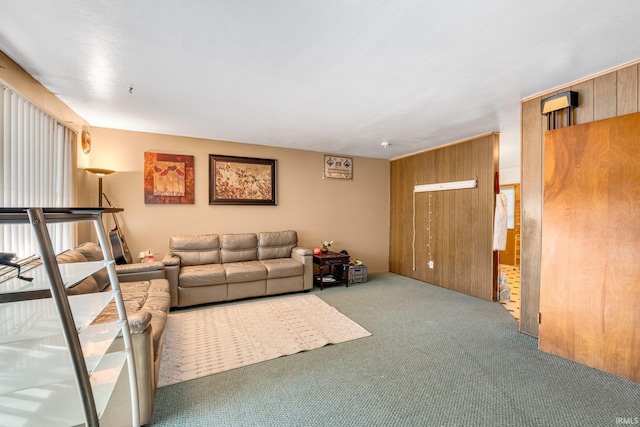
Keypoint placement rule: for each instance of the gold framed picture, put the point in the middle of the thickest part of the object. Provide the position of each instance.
(337, 167)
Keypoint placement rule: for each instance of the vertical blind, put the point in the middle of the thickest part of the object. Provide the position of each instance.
(36, 159)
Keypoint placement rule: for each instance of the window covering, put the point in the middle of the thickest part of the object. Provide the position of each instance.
(36, 160)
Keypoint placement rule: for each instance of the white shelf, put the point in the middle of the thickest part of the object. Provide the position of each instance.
(39, 318)
(72, 274)
(46, 360)
(96, 340)
(53, 360)
(59, 404)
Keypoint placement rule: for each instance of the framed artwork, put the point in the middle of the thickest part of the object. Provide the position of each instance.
(168, 178)
(241, 181)
(337, 167)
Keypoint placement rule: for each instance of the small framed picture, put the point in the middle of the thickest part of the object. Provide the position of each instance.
(337, 167)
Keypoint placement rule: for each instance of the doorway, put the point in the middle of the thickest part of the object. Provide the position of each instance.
(509, 259)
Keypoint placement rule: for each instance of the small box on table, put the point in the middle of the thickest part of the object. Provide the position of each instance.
(357, 274)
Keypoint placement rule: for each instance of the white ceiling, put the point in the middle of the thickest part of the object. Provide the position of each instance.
(334, 76)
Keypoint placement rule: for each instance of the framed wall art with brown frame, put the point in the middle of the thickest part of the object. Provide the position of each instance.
(241, 180)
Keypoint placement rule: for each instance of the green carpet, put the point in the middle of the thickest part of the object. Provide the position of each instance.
(435, 358)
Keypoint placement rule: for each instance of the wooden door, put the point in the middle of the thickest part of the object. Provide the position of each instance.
(590, 281)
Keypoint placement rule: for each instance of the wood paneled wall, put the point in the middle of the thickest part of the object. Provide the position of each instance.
(612, 94)
(454, 226)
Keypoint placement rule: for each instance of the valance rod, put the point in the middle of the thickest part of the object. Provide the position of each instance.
(452, 185)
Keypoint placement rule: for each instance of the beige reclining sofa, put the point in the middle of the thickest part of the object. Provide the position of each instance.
(145, 292)
(211, 268)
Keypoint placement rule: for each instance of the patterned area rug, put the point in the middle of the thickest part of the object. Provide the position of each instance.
(203, 342)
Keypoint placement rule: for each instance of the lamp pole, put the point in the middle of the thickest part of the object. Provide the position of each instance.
(100, 173)
(99, 191)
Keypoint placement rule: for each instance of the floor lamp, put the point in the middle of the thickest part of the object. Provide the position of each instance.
(100, 173)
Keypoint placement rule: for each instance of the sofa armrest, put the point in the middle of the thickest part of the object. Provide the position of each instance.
(171, 260)
(305, 257)
(301, 251)
(118, 412)
(172, 273)
(139, 321)
(140, 271)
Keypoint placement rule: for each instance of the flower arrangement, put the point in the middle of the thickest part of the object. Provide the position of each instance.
(326, 245)
(146, 256)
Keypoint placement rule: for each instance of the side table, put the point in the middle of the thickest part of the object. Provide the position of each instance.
(331, 259)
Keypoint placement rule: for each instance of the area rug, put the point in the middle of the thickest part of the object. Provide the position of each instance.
(208, 341)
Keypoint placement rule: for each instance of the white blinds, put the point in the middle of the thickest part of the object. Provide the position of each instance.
(36, 170)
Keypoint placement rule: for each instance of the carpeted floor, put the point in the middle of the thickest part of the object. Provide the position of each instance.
(435, 358)
(223, 337)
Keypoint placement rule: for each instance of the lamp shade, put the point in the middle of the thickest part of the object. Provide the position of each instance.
(559, 101)
(100, 171)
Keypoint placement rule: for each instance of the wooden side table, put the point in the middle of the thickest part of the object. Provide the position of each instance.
(331, 259)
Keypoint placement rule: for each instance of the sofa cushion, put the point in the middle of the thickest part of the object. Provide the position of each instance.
(282, 267)
(86, 286)
(276, 244)
(134, 295)
(202, 275)
(239, 247)
(196, 249)
(246, 271)
(92, 252)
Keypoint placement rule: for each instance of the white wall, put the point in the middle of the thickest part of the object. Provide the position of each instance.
(510, 176)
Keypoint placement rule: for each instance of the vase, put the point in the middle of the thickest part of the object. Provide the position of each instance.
(324, 250)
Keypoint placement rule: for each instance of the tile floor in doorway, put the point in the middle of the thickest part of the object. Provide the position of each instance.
(512, 305)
